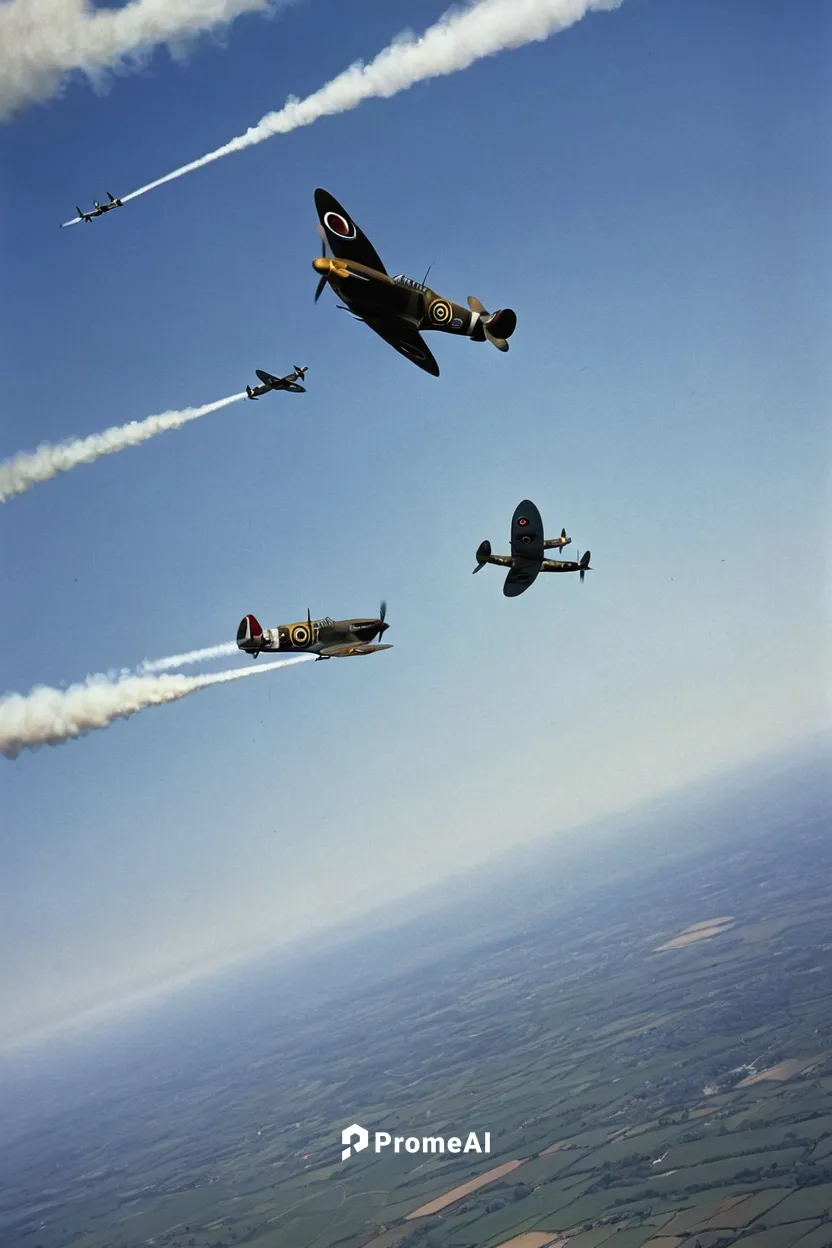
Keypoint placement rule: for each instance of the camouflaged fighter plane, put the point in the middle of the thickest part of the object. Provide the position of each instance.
(326, 638)
(397, 308)
(270, 382)
(527, 546)
(97, 209)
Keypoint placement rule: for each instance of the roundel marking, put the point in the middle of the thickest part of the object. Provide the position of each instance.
(522, 520)
(339, 225)
(440, 311)
(300, 635)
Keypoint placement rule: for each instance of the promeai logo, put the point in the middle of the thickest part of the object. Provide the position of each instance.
(359, 1134)
(355, 1138)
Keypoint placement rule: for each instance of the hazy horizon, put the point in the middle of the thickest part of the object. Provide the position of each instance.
(417, 902)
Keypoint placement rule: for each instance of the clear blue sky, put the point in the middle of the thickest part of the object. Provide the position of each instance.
(651, 191)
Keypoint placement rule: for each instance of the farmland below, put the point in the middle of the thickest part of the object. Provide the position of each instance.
(642, 1021)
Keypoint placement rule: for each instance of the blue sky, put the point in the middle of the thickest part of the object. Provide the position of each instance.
(650, 191)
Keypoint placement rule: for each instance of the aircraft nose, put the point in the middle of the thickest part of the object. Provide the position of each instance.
(321, 264)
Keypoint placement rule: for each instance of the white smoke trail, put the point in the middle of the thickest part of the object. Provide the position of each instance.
(19, 474)
(43, 40)
(48, 716)
(190, 656)
(453, 43)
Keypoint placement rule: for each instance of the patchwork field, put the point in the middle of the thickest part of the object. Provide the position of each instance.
(652, 1077)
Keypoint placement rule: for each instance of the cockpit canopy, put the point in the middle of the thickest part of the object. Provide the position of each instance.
(402, 280)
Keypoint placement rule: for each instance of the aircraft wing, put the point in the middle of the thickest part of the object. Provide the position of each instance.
(269, 380)
(520, 577)
(346, 241)
(407, 341)
(350, 648)
(527, 532)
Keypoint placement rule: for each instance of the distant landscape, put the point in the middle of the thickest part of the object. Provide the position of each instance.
(640, 1016)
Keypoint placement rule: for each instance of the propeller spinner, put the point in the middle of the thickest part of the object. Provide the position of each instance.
(486, 318)
(382, 612)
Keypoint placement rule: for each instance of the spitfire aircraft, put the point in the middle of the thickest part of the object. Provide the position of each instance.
(527, 546)
(397, 308)
(279, 383)
(326, 638)
(98, 210)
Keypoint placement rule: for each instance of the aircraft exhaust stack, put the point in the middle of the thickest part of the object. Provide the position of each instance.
(483, 554)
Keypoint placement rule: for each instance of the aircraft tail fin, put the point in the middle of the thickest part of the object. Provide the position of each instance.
(251, 393)
(583, 566)
(483, 555)
(250, 635)
(301, 369)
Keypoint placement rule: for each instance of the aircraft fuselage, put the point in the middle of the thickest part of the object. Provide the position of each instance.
(373, 295)
(307, 636)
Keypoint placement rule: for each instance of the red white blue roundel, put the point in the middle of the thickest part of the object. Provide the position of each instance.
(340, 225)
(522, 520)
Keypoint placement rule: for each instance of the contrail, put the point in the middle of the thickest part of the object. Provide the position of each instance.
(453, 43)
(49, 716)
(19, 474)
(41, 41)
(190, 656)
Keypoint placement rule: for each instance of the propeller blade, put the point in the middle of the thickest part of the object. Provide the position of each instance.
(499, 343)
(382, 611)
(475, 305)
(309, 618)
(319, 290)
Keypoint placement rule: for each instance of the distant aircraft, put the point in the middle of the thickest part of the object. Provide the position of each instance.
(279, 383)
(326, 638)
(527, 546)
(98, 210)
(397, 308)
